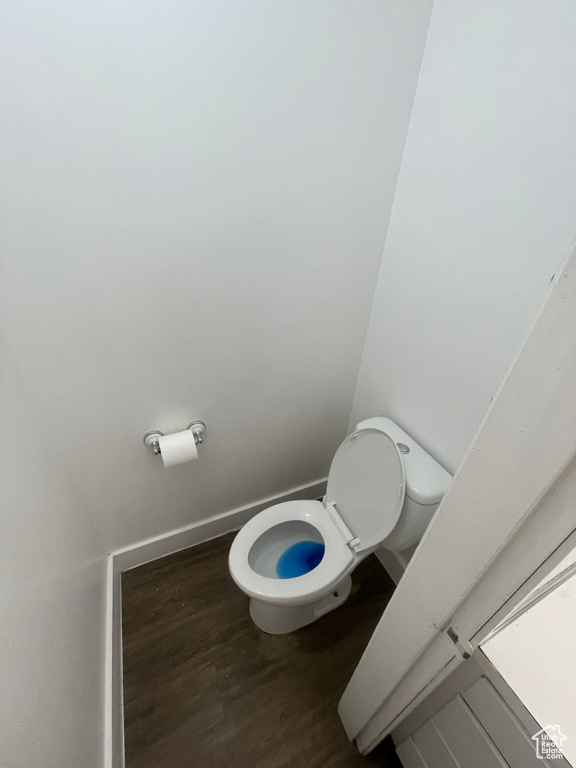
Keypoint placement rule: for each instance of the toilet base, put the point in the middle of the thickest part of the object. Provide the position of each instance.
(281, 619)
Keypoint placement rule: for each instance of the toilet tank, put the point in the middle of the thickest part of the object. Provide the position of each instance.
(426, 484)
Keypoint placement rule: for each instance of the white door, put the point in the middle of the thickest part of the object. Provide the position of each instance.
(533, 650)
(503, 524)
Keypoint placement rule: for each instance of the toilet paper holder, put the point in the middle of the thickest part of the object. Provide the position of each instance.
(198, 428)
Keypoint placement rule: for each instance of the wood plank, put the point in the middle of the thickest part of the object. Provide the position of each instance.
(204, 686)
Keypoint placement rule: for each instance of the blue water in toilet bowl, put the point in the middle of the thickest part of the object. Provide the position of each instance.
(299, 559)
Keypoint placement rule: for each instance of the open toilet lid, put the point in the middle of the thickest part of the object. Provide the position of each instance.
(366, 483)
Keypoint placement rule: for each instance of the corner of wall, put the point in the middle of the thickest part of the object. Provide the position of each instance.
(113, 685)
(354, 417)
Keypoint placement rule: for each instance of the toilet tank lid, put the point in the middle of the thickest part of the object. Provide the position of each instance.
(426, 480)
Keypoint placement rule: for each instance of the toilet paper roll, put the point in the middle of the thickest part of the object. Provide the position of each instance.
(178, 448)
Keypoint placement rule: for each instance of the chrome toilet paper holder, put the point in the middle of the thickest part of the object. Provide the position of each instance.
(198, 429)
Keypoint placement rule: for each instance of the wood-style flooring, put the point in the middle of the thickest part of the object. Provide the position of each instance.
(204, 687)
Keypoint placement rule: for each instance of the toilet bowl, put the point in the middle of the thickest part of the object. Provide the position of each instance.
(376, 470)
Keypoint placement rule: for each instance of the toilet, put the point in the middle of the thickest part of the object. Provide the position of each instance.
(294, 559)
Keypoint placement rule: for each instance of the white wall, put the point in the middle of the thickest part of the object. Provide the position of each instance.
(196, 202)
(52, 592)
(484, 211)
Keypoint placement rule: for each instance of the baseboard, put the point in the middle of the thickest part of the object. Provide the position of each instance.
(395, 562)
(113, 685)
(196, 533)
(392, 565)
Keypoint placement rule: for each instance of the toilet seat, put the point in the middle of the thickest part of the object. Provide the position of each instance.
(367, 484)
(337, 561)
(364, 499)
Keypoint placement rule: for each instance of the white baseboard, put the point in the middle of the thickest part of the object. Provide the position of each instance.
(395, 562)
(113, 685)
(392, 565)
(196, 533)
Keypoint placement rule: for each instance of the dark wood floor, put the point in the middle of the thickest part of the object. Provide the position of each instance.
(204, 687)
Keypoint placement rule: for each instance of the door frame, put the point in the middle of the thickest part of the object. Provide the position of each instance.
(507, 520)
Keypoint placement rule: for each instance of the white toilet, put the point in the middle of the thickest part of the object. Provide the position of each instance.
(294, 559)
